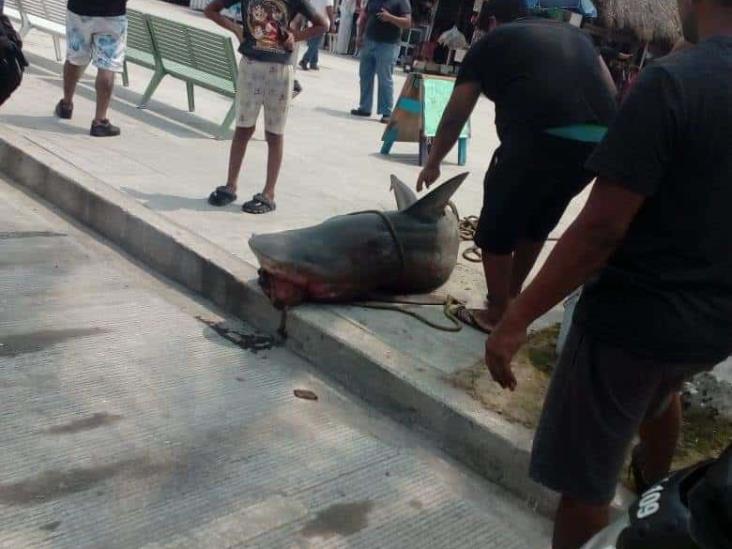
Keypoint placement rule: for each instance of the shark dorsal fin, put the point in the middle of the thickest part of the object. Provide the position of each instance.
(405, 197)
(432, 206)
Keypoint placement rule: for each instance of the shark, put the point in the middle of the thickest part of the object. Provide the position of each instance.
(411, 250)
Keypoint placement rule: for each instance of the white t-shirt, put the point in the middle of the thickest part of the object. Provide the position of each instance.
(320, 5)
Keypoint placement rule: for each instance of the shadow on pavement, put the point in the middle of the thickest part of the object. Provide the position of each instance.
(399, 158)
(42, 123)
(165, 117)
(170, 202)
(344, 114)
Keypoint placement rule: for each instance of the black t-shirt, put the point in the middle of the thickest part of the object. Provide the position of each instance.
(540, 74)
(379, 31)
(266, 23)
(667, 291)
(98, 8)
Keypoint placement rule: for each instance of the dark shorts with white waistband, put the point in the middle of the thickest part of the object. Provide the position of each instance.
(531, 180)
(598, 397)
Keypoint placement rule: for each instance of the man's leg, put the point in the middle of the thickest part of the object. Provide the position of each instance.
(659, 436)
(314, 47)
(104, 87)
(307, 56)
(72, 75)
(524, 259)
(497, 269)
(275, 152)
(236, 155)
(505, 275)
(385, 60)
(367, 72)
(576, 522)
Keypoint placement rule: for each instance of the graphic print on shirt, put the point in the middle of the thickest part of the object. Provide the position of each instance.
(267, 22)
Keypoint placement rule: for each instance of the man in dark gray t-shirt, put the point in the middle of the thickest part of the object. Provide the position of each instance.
(379, 30)
(653, 248)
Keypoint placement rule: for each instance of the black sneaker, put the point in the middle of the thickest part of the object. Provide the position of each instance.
(104, 129)
(314, 67)
(296, 89)
(63, 110)
(303, 65)
(385, 119)
(359, 112)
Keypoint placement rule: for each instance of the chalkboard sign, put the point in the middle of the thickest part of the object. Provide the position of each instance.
(437, 93)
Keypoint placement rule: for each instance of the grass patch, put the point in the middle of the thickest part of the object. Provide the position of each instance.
(704, 434)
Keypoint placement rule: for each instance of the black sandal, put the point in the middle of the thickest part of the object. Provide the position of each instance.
(222, 196)
(259, 204)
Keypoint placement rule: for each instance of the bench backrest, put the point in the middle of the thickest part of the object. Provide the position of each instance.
(50, 10)
(208, 52)
(138, 32)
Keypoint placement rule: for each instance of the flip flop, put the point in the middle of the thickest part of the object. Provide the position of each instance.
(259, 204)
(467, 317)
(222, 196)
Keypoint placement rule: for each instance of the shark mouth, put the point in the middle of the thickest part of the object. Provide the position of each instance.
(283, 293)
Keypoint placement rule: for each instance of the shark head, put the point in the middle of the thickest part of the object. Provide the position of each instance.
(349, 255)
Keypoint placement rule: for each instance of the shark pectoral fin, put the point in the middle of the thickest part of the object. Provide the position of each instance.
(432, 206)
(405, 197)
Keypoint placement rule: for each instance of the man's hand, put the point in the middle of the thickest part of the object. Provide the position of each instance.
(500, 348)
(239, 32)
(427, 176)
(385, 16)
(289, 42)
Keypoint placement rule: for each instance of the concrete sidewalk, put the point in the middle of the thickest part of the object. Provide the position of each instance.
(165, 164)
(129, 422)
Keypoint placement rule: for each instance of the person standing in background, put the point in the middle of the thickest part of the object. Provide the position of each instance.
(96, 32)
(347, 10)
(309, 61)
(265, 81)
(554, 99)
(379, 29)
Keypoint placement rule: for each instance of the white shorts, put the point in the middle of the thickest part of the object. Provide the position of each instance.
(263, 84)
(99, 40)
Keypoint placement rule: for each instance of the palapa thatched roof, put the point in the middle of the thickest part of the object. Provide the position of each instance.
(649, 20)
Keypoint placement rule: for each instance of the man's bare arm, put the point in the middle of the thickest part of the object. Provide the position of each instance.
(607, 77)
(403, 22)
(580, 253)
(583, 250)
(361, 26)
(456, 115)
(213, 12)
(320, 27)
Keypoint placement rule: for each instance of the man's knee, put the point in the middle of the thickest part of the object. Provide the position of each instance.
(243, 134)
(274, 139)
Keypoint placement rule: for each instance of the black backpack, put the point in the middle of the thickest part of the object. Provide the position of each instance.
(12, 60)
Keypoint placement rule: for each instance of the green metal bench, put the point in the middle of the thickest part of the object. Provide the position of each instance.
(48, 16)
(140, 47)
(196, 56)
